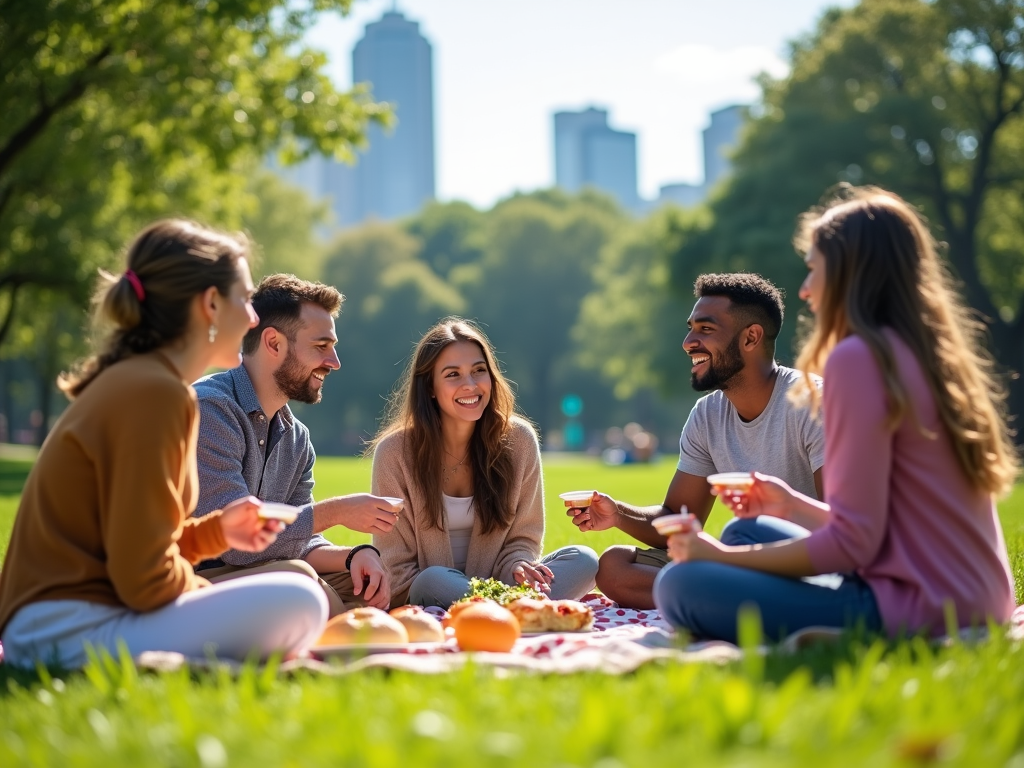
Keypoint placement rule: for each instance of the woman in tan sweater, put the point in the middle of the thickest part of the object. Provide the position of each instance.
(103, 543)
(470, 472)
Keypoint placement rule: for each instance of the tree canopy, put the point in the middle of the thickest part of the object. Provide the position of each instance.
(119, 112)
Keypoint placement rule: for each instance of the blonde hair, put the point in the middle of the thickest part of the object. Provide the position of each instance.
(882, 270)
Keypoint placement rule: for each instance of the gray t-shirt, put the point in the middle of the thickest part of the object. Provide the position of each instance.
(784, 441)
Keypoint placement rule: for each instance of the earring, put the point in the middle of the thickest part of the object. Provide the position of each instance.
(213, 333)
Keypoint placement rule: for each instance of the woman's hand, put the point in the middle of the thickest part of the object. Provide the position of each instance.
(535, 575)
(766, 496)
(691, 543)
(370, 577)
(243, 527)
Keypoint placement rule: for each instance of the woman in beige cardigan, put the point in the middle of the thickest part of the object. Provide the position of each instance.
(469, 470)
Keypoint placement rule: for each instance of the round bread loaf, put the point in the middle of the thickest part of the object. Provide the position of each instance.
(486, 626)
(364, 626)
(421, 626)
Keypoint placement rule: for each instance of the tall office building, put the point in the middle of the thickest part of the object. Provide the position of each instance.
(720, 138)
(590, 153)
(395, 176)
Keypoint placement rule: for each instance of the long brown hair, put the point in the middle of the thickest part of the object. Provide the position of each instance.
(413, 411)
(173, 261)
(882, 270)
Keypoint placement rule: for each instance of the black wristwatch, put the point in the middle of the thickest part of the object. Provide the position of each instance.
(356, 548)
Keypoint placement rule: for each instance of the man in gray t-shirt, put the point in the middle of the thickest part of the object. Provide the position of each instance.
(748, 422)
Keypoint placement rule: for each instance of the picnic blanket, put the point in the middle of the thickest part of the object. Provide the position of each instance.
(622, 640)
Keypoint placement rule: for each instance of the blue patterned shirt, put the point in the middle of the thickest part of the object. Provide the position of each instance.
(244, 452)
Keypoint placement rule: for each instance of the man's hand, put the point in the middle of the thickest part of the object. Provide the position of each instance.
(602, 514)
(535, 575)
(691, 543)
(361, 512)
(243, 527)
(370, 577)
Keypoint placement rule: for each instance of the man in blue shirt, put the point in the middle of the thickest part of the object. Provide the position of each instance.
(251, 443)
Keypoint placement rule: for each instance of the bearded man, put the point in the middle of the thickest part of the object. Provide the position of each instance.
(748, 422)
(251, 443)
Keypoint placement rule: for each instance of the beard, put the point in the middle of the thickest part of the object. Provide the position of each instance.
(294, 380)
(721, 369)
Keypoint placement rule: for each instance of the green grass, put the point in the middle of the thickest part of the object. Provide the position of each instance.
(855, 703)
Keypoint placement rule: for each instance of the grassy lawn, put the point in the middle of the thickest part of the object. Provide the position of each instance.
(853, 704)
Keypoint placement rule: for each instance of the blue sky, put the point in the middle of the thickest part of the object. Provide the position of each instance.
(502, 67)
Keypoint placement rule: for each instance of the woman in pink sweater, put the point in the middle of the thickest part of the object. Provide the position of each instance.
(916, 449)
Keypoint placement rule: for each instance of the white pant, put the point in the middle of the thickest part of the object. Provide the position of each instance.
(257, 614)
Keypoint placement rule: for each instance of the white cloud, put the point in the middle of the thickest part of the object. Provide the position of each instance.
(696, 64)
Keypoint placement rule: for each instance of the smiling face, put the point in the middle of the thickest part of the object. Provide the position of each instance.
(234, 318)
(812, 290)
(713, 344)
(462, 382)
(311, 356)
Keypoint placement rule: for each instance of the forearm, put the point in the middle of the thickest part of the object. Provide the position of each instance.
(784, 558)
(329, 559)
(636, 521)
(809, 513)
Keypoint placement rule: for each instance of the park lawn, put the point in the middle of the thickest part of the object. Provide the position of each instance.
(855, 703)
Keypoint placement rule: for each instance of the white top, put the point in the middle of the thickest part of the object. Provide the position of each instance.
(460, 513)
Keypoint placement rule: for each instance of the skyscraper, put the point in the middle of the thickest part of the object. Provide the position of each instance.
(720, 138)
(395, 176)
(590, 153)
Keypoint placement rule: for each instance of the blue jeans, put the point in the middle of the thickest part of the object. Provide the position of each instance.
(704, 597)
(574, 569)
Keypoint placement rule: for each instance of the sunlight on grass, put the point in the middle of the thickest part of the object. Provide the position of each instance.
(837, 705)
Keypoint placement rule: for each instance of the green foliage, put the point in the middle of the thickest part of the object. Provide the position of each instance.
(117, 113)
(537, 267)
(283, 223)
(498, 591)
(392, 298)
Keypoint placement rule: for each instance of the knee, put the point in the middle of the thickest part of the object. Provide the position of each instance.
(437, 585)
(301, 567)
(740, 530)
(678, 586)
(587, 559)
(612, 563)
(298, 600)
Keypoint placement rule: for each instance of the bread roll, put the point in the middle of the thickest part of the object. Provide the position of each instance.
(421, 626)
(364, 626)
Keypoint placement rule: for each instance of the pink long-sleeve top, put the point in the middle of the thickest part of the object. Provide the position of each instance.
(904, 515)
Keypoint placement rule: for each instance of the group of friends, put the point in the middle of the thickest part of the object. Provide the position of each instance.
(872, 503)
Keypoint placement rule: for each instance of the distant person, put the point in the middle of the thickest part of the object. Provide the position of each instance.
(251, 443)
(747, 422)
(470, 472)
(103, 543)
(916, 448)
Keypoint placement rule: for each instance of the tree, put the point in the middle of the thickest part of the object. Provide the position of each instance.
(115, 113)
(922, 98)
(392, 297)
(282, 223)
(526, 290)
(452, 235)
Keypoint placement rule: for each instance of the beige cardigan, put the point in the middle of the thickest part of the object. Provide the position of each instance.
(412, 545)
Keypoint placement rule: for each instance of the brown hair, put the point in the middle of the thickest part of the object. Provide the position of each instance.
(278, 301)
(412, 410)
(174, 260)
(882, 270)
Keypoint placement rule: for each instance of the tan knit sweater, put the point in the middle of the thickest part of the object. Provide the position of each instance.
(412, 545)
(104, 516)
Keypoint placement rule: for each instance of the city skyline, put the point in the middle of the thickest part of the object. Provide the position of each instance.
(501, 70)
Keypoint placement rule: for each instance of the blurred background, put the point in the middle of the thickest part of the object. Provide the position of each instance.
(559, 171)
